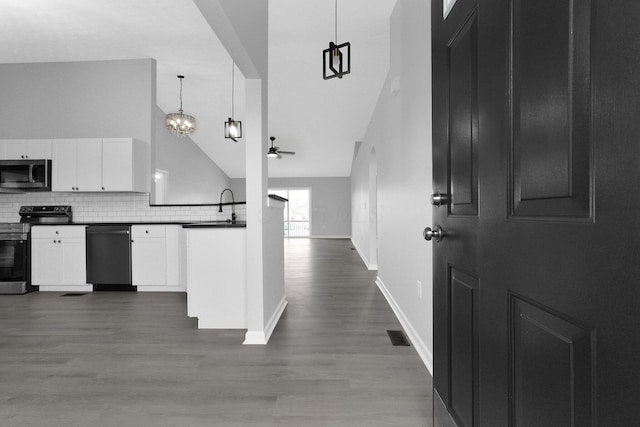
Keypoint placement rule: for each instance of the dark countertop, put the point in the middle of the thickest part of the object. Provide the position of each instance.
(220, 224)
(203, 224)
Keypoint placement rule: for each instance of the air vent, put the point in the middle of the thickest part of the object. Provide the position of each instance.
(398, 338)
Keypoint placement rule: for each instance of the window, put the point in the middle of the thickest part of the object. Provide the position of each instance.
(297, 214)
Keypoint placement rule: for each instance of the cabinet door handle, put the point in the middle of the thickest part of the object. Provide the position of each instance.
(103, 188)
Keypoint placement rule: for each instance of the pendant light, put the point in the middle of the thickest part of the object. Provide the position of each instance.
(178, 123)
(232, 128)
(336, 60)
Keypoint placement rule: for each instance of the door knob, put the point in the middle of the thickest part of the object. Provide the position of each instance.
(438, 199)
(436, 234)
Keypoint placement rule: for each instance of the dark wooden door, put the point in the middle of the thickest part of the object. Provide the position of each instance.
(537, 279)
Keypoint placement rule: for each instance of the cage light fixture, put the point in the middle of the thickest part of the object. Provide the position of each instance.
(233, 128)
(336, 60)
(180, 124)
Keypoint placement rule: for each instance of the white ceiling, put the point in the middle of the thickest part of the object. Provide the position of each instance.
(320, 120)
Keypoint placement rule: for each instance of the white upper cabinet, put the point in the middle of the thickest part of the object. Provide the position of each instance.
(125, 165)
(22, 149)
(77, 165)
(109, 164)
(88, 165)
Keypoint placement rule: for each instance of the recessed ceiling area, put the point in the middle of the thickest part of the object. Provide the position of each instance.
(318, 119)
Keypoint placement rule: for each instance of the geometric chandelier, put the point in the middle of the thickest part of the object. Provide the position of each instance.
(336, 60)
(180, 124)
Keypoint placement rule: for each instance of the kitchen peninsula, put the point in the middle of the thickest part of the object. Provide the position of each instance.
(207, 260)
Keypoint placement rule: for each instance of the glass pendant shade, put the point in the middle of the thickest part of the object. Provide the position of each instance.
(233, 129)
(180, 124)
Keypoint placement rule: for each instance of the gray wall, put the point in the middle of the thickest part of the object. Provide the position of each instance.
(193, 177)
(397, 144)
(330, 202)
(78, 99)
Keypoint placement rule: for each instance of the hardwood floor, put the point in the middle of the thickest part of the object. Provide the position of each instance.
(135, 359)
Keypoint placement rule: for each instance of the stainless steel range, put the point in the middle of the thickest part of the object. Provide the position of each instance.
(15, 250)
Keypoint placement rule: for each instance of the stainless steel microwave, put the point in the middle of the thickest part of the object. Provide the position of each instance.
(25, 175)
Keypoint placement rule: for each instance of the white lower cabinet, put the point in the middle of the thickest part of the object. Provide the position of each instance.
(155, 258)
(58, 258)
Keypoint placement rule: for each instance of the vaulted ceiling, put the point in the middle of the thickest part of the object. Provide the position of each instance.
(318, 119)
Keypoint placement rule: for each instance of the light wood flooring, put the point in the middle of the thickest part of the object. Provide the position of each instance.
(135, 359)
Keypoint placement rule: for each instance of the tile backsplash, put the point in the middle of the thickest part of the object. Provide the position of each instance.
(114, 207)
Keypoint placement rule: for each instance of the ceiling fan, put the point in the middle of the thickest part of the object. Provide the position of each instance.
(275, 151)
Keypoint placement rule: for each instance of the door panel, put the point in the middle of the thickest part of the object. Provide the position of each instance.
(551, 108)
(463, 339)
(64, 165)
(551, 364)
(542, 279)
(463, 122)
(117, 163)
(89, 164)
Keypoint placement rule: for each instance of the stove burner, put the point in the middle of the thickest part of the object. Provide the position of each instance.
(57, 214)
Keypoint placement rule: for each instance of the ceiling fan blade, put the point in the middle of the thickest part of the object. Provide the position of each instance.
(276, 148)
(286, 152)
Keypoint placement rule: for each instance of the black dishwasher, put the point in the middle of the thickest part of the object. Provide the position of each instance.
(109, 257)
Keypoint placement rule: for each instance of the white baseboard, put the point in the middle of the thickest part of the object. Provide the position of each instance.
(262, 337)
(160, 288)
(330, 237)
(66, 288)
(363, 257)
(422, 349)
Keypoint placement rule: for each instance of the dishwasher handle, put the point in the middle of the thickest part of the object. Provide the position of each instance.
(97, 230)
(107, 232)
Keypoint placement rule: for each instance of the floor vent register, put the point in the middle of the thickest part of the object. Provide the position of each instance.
(398, 338)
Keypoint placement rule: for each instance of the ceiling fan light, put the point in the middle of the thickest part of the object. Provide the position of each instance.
(272, 154)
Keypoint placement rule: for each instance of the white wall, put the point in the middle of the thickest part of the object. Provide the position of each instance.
(104, 99)
(330, 202)
(96, 99)
(193, 177)
(400, 133)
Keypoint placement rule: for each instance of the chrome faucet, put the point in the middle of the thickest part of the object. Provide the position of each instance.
(233, 206)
